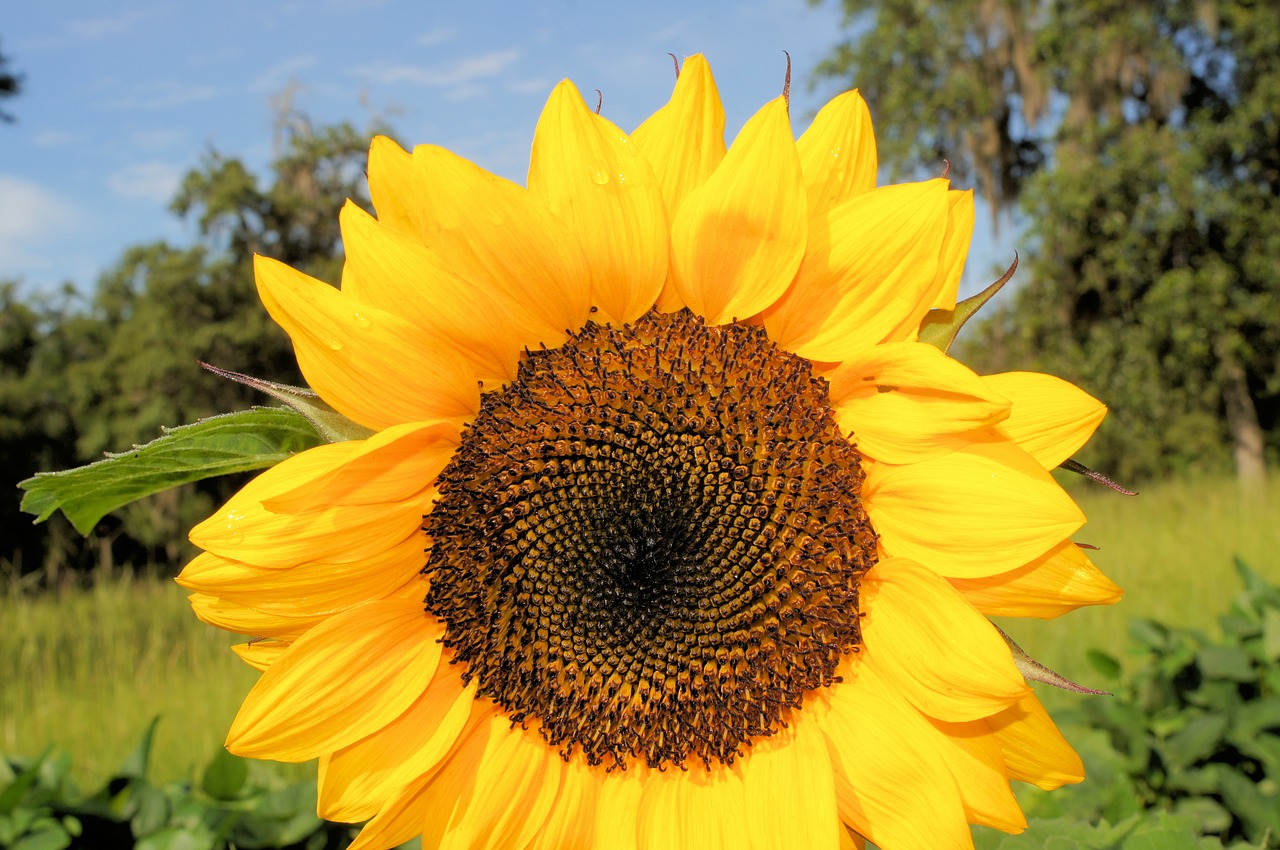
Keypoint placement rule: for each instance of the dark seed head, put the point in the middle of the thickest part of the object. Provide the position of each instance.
(649, 544)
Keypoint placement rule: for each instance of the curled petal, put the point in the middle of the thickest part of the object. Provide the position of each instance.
(1034, 750)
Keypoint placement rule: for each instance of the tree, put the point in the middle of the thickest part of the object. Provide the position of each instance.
(112, 374)
(10, 86)
(1141, 145)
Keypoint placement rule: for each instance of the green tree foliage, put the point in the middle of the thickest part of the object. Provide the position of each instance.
(86, 379)
(10, 85)
(1142, 146)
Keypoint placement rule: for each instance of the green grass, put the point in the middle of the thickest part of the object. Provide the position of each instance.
(1172, 549)
(90, 667)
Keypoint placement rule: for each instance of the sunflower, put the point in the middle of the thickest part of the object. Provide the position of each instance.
(662, 528)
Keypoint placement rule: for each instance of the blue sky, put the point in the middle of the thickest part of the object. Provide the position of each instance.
(122, 98)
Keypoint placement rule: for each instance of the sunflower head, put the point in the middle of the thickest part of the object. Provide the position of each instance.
(670, 529)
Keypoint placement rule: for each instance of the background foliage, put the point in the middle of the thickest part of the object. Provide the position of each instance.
(1139, 147)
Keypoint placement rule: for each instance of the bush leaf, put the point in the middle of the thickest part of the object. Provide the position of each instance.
(219, 445)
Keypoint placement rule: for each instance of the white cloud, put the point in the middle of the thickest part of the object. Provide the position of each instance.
(29, 214)
(278, 75)
(465, 70)
(530, 85)
(164, 95)
(152, 181)
(437, 35)
(53, 138)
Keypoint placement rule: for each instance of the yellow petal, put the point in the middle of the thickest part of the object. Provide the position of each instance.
(261, 654)
(955, 248)
(385, 652)
(838, 153)
(976, 761)
(890, 786)
(684, 142)
(739, 238)
(571, 824)
(504, 239)
(604, 191)
(400, 820)
(390, 466)
(394, 188)
(694, 808)
(871, 268)
(941, 654)
(790, 788)
(684, 139)
(312, 588)
(618, 809)
(1034, 750)
(1051, 418)
(1059, 581)
(371, 365)
(516, 780)
(243, 620)
(978, 511)
(359, 779)
(246, 531)
(903, 402)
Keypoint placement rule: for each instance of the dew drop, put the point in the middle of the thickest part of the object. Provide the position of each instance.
(335, 344)
(361, 320)
(600, 177)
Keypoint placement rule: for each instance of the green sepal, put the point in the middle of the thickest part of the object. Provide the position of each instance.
(220, 445)
(1034, 671)
(329, 423)
(940, 327)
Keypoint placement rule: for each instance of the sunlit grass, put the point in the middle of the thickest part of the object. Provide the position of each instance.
(85, 671)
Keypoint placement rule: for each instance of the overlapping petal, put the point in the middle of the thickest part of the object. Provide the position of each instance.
(342, 346)
(605, 193)
(838, 153)
(933, 647)
(301, 708)
(945, 511)
(1051, 418)
(1061, 580)
(904, 402)
(872, 268)
(739, 237)
(878, 747)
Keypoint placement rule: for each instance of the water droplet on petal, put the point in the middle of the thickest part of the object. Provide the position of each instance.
(335, 344)
(601, 177)
(361, 320)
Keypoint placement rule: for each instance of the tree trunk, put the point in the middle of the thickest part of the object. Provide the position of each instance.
(1242, 421)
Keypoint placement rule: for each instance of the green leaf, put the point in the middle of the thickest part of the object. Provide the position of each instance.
(219, 445)
(49, 838)
(1226, 662)
(940, 327)
(225, 776)
(1104, 663)
(1198, 740)
(135, 766)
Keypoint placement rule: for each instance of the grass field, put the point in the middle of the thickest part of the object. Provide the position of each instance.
(86, 670)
